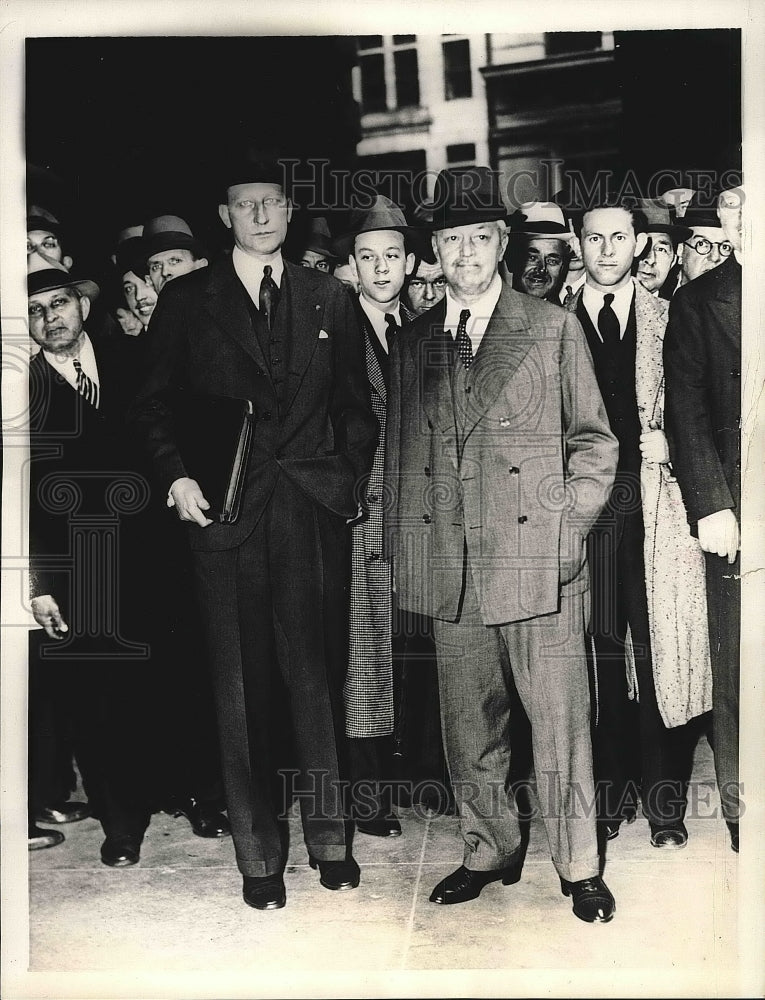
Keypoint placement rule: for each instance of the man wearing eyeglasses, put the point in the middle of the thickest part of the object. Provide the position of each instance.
(706, 247)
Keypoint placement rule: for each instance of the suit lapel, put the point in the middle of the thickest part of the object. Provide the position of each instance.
(226, 306)
(433, 356)
(374, 371)
(505, 344)
(725, 305)
(300, 322)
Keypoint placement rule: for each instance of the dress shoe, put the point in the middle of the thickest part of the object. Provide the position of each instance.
(38, 838)
(465, 884)
(733, 830)
(337, 874)
(64, 812)
(672, 837)
(205, 818)
(592, 899)
(267, 893)
(438, 803)
(379, 826)
(121, 851)
(611, 828)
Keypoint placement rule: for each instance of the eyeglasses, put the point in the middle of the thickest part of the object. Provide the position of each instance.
(703, 247)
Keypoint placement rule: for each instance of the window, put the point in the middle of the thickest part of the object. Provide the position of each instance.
(458, 81)
(559, 43)
(461, 155)
(389, 72)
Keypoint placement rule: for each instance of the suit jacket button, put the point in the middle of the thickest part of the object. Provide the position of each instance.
(513, 470)
(265, 415)
(372, 498)
(373, 556)
(735, 373)
(427, 470)
(426, 518)
(522, 519)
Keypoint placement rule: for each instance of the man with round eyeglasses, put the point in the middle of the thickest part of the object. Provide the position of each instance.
(706, 247)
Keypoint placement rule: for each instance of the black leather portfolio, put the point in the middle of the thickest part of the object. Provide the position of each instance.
(214, 436)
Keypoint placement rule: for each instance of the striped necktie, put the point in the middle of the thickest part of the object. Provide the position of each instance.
(86, 387)
(464, 345)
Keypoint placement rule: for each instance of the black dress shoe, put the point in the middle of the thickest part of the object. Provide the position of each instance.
(64, 812)
(266, 893)
(205, 818)
(37, 838)
(121, 851)
(465, 884)
(672, 837)
(379, 826)
(592, 899)
(337, 874)
(611, 828)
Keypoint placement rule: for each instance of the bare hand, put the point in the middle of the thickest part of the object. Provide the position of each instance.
(719, 533)
(188, 500)
(46, 613)
(653, 446)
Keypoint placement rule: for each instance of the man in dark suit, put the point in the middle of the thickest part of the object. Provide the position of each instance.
(499, 458)
(702, 364)
(87, 500)
(272, 586)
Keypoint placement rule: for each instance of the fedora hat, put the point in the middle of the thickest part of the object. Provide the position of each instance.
(320, 239)
(129, 253)
(657, 220)
(47, 275)
(384, 215)
(466, 195)
(41, 220)
(540, 218)
(169, 232)
(696, 217)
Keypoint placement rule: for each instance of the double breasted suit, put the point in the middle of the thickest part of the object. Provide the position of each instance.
(273, 587)
(495, 475)
(702, 364)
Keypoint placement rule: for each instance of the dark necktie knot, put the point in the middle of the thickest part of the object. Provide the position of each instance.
(608, 322)
(464, 345)
(268, 299)
(391, 330)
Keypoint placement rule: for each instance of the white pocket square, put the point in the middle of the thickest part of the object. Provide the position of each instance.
(323, 335)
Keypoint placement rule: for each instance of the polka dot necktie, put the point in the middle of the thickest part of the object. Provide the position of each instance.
(464, 346)
(608, 324)
(85, 385)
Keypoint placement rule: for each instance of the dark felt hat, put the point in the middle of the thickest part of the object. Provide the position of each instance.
(129, 253)
(384, 215)
(54, 275)
(465, 196)
(696, 217)
(320, 239)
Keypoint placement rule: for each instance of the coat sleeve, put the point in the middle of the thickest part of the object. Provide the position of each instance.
(687, 412)
(591, 451)
(150, 414)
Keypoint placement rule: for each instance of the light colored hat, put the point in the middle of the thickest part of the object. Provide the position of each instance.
(169, 232)
(540, 218)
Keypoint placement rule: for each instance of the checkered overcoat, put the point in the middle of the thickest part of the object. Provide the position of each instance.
(368, 689)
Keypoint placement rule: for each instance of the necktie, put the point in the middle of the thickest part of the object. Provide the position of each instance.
(268, 299)
(391, 330)
(86, 387)
(608, 324)
(464, 347)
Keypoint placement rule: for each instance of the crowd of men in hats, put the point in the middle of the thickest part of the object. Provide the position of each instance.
(492, 495)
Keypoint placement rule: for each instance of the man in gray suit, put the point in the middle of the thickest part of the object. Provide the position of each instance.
(499, 460)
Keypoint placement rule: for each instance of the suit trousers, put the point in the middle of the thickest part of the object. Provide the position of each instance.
(547, 659)
(724, 611)
(632, 748)
(275, 616)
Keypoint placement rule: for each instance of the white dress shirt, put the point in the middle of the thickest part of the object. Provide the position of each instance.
(575, 284)
(249, 270)
(65, 366)
(480, 313)
(377, 319)
(592, 300)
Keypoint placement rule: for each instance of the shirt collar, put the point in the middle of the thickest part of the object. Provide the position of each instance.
(249, 269)
(480, 309)
(377, 318)
(65, 366)
(592, 300)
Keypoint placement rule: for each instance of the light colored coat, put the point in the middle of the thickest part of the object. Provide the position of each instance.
(538, 460)
(674, 562)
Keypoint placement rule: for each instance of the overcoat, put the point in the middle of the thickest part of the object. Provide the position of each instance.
(538, 460)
